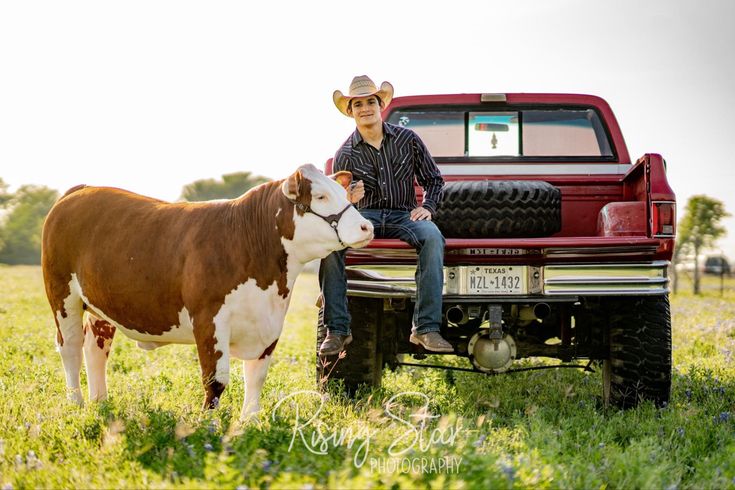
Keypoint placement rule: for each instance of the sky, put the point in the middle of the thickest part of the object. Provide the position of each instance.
(152, 95)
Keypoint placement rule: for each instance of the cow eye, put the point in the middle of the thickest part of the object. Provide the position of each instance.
(320, 197)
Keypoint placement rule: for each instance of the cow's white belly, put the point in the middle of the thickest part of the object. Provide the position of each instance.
(254, 318)
(183, 333)
(249, 320)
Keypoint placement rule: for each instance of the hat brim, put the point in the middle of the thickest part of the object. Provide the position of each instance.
(343, 101)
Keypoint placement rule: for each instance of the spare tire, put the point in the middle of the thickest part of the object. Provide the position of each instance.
(499, 209)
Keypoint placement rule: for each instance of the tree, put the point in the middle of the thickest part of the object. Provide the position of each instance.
(231, 185)
(20, 230)
(5, 196)
(4, 199)
(700, 228)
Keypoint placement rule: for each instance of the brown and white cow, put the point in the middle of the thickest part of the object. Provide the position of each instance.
(217, 274)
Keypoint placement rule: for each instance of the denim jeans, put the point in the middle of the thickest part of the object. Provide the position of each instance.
(428, 241)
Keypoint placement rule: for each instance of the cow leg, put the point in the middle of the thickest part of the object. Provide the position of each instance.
(254, 371)
(69, 341)
(213, 349)
(98, 336)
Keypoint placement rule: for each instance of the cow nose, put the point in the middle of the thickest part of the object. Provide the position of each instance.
(367, 227)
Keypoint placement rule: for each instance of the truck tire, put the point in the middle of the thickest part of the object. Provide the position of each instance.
(499, 209)
(363, 363)
(638, 366)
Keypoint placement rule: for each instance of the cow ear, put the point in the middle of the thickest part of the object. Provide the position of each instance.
(292, 185)
(343, 178)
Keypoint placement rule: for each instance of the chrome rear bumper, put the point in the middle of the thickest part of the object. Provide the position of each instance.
(567, 280)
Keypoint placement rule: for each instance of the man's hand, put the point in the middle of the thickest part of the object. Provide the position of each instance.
(420, 213)
(356, 191)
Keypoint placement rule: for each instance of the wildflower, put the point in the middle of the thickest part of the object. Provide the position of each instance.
(267, 464)
(724, 416)
(190, 450)
(508, 471)
(479, 441)
(680, 431)
(208, 447)
(32, 461)
(688, 394)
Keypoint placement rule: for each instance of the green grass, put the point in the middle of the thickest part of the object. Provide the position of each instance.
(539, 429)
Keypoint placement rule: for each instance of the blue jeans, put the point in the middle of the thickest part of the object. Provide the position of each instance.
(428, 241)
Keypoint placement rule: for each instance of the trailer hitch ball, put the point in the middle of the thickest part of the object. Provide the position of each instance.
(491, 355)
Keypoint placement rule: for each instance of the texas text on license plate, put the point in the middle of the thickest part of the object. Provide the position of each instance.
(488, 279)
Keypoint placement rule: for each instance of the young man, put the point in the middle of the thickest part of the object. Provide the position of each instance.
(384, 160)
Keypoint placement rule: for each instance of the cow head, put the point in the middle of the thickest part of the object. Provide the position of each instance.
(324, 215)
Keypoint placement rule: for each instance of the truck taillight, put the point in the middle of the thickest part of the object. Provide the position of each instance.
(663, 219)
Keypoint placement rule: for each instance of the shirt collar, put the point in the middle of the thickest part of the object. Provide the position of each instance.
(357, 137)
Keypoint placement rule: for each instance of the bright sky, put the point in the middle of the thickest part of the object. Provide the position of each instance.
(152, 95)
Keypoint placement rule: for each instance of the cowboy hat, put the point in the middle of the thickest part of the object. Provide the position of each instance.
(362, 86)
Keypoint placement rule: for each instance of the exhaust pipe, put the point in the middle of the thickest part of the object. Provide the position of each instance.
(457, 315)
(541, 310)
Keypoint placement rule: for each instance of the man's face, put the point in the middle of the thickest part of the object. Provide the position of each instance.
(366, 110)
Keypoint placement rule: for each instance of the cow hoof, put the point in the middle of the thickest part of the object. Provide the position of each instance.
(211, 404)
(98, 399)
(249, 415)
(75, 396)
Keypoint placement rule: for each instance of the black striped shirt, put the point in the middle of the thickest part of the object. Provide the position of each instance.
(389, 173)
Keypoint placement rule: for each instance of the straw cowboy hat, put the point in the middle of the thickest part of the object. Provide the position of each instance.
(362, 86)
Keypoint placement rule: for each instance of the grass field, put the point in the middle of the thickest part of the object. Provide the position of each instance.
(538, 429)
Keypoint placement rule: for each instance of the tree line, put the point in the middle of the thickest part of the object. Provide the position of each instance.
(22, 212)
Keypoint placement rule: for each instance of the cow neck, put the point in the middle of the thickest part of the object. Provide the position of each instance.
(252, 218)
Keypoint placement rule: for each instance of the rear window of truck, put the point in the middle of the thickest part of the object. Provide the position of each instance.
(509, 134)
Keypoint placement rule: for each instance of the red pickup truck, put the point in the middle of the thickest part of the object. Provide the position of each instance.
(557, 246)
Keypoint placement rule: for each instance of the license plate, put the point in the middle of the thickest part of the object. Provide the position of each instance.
(496, 280)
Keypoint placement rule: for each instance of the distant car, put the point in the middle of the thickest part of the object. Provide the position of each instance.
(716, 264)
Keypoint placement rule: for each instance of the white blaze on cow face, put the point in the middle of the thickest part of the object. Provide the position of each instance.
(328, 197)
